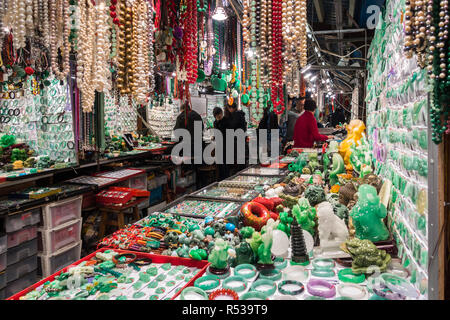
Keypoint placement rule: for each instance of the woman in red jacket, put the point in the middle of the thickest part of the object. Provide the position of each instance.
(306, 131)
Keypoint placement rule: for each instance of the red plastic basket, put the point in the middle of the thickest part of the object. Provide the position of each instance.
(107, 197)
(134, 192)
(201, 264)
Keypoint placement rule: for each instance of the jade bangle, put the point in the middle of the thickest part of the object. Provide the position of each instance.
(324, 273)
(323, 264)
(199, 282)
(280, 263)
(361, 292)
(271, 274)
(238, 271)
(199, 292)
(254, 295)
(264, 282)
(347, 275)
(284, 283)
(239, 288)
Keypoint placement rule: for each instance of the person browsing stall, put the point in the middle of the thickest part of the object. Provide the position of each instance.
(306, 131)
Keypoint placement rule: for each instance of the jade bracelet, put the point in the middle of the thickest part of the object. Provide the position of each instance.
(280, 263)
(323, 273)
(240, 288)
(254, 295)
(238, 271)
(264, 282)
(194, 291)
(323, 264)
(199, 283)
(273, 274)
(284, 283)
(347, 275)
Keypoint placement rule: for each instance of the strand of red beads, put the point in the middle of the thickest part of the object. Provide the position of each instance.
(277, 58)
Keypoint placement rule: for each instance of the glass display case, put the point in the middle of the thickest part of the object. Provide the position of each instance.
(217, 191)
(203, 208)
(259, 180)
(261, 171)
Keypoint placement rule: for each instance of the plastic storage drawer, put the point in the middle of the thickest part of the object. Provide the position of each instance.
(3, 262)
(58, 213)
(21, 268)
(50, 241)
(21, 236)
(138, 182)
(3, 243)
(21, 283)
(156, 195)
(2, 279)
(22, 219)
(49, 264)
(21, 251)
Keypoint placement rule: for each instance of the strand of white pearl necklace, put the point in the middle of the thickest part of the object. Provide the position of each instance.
(45, 23)
(82, 42)
(141, 81)
(151, 53)
(87, 41)
(101, 67)
(18, 23)
(66, 46)
(301, 27)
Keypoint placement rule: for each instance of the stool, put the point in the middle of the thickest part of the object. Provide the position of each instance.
(106, 219)
(210, 173)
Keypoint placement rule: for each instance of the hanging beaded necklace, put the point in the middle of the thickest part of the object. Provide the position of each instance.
(277, 59)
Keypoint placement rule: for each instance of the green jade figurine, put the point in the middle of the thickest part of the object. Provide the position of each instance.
(305, 215)
(264, 250)
(338, 167)
(219, 258)
(367, 258)
(361, 157)
(368, 214)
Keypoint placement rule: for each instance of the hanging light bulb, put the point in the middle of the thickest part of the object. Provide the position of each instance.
(219, 12)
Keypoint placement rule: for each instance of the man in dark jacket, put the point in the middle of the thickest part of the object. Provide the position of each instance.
(219, 124)
(235, 119)
(186, 120)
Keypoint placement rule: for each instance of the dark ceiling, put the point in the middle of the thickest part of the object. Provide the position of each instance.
(339, 55)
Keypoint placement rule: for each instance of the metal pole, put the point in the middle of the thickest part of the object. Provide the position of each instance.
(433, 215)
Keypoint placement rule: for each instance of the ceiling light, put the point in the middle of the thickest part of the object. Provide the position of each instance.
(306, 68)
(219, 12)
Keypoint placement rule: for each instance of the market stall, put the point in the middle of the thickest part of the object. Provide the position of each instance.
(94, 205)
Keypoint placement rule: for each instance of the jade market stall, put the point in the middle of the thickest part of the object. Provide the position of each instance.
(95, 206)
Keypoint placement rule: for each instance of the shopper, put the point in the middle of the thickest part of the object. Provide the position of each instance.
(186, 120)
(219, 124)
(269, 122)
(294, 109)
(337, 117)
(306, 130)
(234, 120)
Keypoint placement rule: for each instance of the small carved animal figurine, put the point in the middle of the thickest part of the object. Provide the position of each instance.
(332, 230)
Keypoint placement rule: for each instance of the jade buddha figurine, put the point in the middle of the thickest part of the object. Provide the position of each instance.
(264, 250)
(305, 215)
(219, 254)
(355, 131)
(368, 214)
(244, 254)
